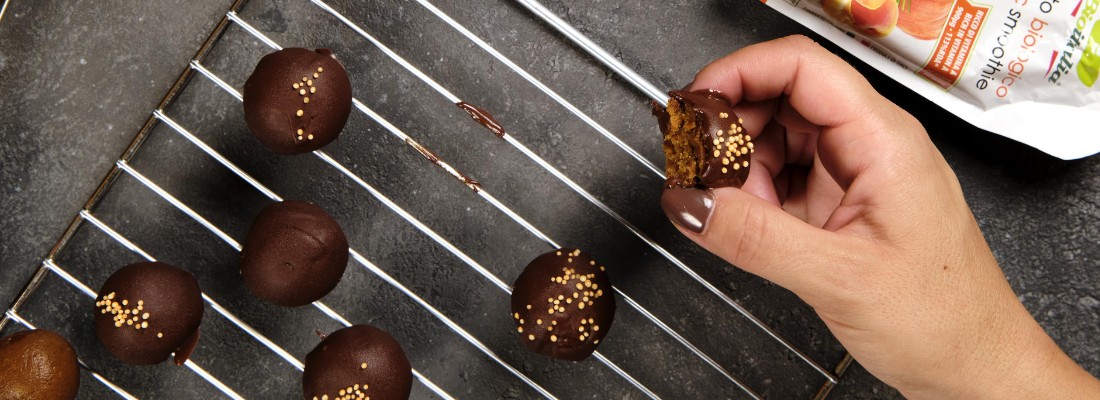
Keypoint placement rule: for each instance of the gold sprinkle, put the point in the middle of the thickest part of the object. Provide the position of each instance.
(305, 100)
(144, 324)
(553, 338)
(313, 90)
(316, 75)
(580, 286)
(319, 69)
(723, 115)
(716, 153)
(145, 316)
(740, 121)
(309, 82)
(125, 302)
(747, 137)
(363, 366)
(580, 306)
(519, 329)
(592, 263)
(725, 161)
(538, 321)
(303, 79)
(596, 328)
(300, 113)
(160, 335)
(549, 328)
(516, 315)
(296, 85)
(746, 164)
(750, 146)
(300, 132)
(736, 167)
(302, 92)
(559, 253)
(530, 337)
(528, 306)
(716, 142)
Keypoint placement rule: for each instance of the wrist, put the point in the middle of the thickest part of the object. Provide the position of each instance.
(1017, 361)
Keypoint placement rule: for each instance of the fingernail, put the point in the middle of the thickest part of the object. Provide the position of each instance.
(688, 208)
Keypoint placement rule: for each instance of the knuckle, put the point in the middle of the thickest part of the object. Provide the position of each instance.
(751, 234)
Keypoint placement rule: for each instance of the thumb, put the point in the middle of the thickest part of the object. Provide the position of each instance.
(756, 236)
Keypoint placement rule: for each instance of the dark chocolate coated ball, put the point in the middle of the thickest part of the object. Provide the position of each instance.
(146, 311)
(563, 304)
(294, 254)
(705, 143)
(297, 100)
(37, 365)
(357, 362)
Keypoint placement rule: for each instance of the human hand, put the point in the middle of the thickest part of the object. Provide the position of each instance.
(849, 205)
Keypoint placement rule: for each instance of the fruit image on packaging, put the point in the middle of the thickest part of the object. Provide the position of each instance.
(923, 19)
(872, 18)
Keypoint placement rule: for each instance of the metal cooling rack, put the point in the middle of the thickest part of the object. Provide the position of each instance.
(196, 69)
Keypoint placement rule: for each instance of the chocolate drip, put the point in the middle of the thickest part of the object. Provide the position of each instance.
(470, 183)
(482, 117)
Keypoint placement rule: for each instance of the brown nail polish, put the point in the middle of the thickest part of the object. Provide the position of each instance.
(688, 208)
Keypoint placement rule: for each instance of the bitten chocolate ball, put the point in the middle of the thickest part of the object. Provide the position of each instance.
(563, 304)
(147, 311)
(297, 100)
(705, 143)
(357, 362)
(37, 365)
(294, 254)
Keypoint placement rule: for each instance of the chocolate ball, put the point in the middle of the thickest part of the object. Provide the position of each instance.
(294, 254)
(146, 311)
(37, 364)
(357, 362)
(297, 100)
(563, 304)
(705, 143)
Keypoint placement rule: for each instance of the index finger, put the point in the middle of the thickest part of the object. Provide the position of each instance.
(857, 123)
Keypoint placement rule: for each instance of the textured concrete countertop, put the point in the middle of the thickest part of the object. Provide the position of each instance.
(79, 78)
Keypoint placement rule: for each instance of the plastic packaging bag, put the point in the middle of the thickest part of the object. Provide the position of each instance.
(1024, 69)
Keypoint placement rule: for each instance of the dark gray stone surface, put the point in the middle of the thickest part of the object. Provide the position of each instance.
(80, 77)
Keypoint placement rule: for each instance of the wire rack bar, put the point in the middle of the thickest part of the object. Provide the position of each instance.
(110, 385)
(52, 266)
(595, 50)
(562, 177)
(145, 181)
(542, 87)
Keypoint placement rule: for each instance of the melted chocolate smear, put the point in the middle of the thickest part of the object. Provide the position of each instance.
(482, 117)
(470, 183)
